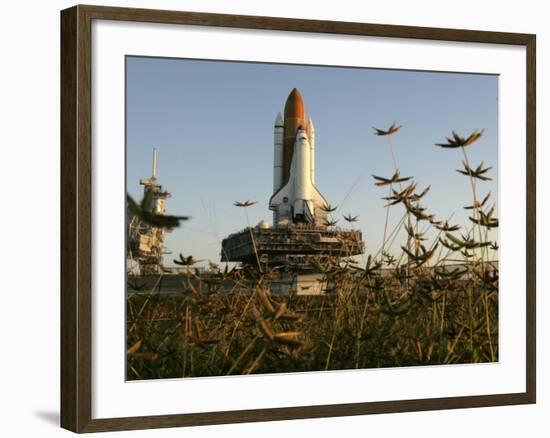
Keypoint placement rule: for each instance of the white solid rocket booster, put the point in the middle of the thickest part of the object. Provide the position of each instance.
(302, 177)
(278, 153)
(311, 135)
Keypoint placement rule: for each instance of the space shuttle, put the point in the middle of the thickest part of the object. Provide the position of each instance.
(295, 198)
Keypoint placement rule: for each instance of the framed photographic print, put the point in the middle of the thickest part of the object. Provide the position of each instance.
(270, 218)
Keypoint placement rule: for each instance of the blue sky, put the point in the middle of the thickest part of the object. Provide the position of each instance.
(212, 124)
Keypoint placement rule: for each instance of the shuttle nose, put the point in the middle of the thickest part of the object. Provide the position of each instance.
(301, 134)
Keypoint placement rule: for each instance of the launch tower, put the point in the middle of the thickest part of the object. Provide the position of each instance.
(145, 241)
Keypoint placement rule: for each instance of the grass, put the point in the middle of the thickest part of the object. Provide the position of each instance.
(407, 309)
(386, 325)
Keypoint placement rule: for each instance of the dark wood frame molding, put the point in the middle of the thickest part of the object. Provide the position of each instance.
(76, 173)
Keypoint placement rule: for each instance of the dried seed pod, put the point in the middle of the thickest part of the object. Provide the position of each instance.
(281, 310)
(266, 329)
(288, 338)
(266, 302)
(134, 348)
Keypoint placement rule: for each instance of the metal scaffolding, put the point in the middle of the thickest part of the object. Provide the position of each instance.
(291, 244)
(145, 245)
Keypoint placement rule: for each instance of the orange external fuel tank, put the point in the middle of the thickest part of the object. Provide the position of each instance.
(294, 118)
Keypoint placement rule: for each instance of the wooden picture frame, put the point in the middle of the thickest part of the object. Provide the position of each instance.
(76, 217)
